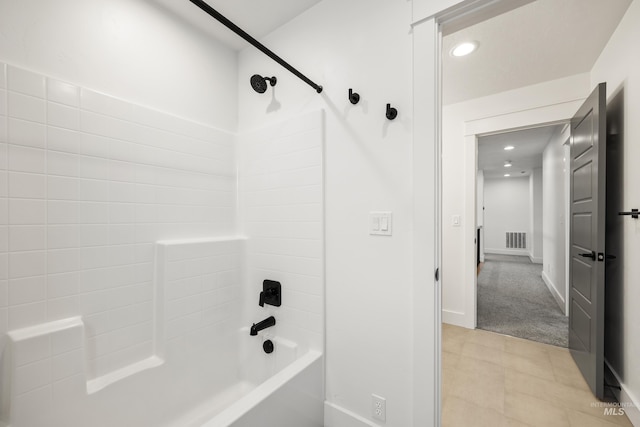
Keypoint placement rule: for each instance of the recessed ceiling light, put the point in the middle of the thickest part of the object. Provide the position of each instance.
(509, 147)
(464, 48)
(507, 175)
(508, 164)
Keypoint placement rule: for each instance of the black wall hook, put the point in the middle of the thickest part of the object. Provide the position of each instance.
(354, 98)
(392, 113)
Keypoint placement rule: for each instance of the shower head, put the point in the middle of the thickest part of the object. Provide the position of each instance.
(259, 83)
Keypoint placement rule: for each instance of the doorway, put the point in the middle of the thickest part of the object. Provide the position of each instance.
(520, 220)
(544, 102)
(471, 121)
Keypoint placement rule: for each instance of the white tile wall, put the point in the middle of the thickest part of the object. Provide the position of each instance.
(87, 184)
(201, 284)
(282, 201)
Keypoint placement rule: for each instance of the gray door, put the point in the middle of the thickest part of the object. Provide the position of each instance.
(588, 185)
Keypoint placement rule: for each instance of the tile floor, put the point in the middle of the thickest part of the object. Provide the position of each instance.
(499, 381)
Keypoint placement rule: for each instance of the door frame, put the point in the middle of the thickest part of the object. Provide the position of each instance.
(428, 22)
(549, 115)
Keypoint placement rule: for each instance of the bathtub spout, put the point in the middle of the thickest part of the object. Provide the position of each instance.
(266, 323)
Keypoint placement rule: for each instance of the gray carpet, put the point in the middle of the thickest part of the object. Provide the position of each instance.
(513, 300)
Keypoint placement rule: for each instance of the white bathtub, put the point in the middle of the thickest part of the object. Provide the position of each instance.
(247, 389)
(281, 389)
(291, 398)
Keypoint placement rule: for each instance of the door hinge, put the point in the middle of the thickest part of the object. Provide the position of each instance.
(437, 274)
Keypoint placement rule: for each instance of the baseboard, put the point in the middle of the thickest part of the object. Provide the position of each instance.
(535, 260)
(518, 252)
(627, 401)
(556, 295)
(336, 416)
(457, 319)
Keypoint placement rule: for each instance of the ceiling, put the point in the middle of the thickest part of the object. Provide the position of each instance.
(527, 153)
(543, 40)
(256, 17)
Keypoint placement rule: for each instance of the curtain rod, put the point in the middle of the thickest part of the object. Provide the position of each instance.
(239, 31)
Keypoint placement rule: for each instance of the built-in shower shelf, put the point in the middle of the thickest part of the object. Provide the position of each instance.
(46, 352)
(36, 357)
(18, 336)
(99, 383)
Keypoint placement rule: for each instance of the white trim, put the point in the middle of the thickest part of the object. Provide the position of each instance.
(567, 224)
(542, 115)
(516, 252)
(456, 318)
(455, 15)
(545, 115)
(336, 416)
(470, 229)
(426, 304)
(625, 397)
(554, 291)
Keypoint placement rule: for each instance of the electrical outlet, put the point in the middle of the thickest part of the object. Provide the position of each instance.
(378, 407)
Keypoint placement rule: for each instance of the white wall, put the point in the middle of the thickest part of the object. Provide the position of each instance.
(621, 72)
(506, 208)
(536, 207)
(542, 103)
(367, 168)
(554, 216)
(130, 49)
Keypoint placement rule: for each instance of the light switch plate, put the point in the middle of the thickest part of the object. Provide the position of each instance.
(380, 223)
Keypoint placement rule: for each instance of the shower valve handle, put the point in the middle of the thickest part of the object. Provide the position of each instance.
(267, 293)
(271, 293)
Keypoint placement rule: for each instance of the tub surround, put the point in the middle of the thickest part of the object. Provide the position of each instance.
(123, 278)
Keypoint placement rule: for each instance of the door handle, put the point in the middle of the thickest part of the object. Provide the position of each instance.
(634, 213)
(591, 255)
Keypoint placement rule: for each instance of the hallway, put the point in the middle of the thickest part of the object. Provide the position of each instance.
(499, 381)
(513, 300)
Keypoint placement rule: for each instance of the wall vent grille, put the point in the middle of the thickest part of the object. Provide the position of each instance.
(516, 240)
